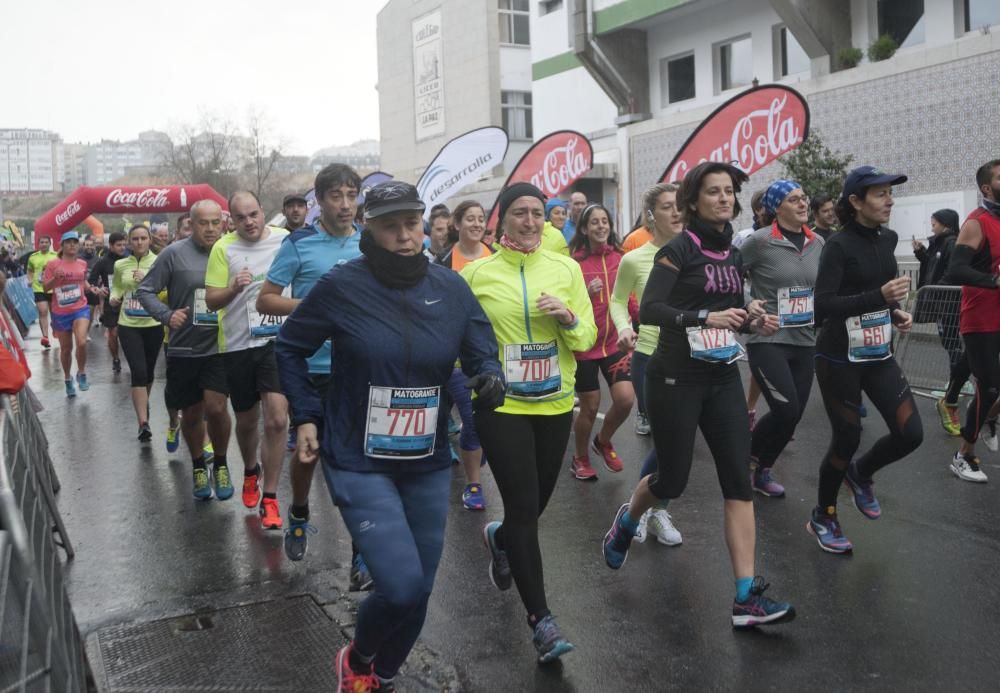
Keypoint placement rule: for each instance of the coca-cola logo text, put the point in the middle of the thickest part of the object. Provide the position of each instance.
(560, 167)
(71, 209)
(149, 198)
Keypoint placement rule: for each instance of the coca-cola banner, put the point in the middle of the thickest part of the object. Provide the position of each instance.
(85, 200)
(552, 164)
(461, 162)
(750, 130)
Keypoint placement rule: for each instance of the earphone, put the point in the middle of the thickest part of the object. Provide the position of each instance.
(649, 214)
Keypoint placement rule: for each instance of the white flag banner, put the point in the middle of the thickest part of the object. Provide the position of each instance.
(461, 162)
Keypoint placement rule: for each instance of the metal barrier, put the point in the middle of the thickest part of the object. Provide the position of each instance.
(928, 351)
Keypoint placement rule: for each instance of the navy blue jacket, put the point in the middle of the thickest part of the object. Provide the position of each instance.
(383, 337)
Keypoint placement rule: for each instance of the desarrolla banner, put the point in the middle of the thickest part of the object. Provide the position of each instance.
(461, 162)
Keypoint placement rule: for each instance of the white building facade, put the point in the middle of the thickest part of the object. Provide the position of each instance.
(109, 160)
(31, 161)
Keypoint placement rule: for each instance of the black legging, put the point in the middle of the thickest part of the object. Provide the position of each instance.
(525, 454)
(142, 347)
(841, 385)
(958, 364)
(785, 375)
(982, 349)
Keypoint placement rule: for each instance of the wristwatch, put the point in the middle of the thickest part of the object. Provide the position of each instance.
(702, 317)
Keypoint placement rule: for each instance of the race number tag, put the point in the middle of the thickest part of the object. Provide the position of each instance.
(532, 370)
(132, 307)
(261, 326)
(795, 306)
(714, 345)
(67, 295)
(402, 422)
(870, 337)
(202, 315)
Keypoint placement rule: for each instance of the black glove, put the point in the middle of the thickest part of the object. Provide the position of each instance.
(490, 390)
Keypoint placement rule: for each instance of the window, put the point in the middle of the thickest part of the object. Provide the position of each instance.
(903, 20)
(515, 109)
(735, 64)
(980, 13)
(546, 6)
(514, 22)
(793, 57)
(676, 79)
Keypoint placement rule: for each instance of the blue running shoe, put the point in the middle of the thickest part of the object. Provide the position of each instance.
(293, 436)
(826, 528)
(81, 382)
(297, 538)
(173, 439)
(549, 641)
(70, 390)
(472, 498)
(361, 580)
(202, 489)
(617, 541)
(758, 610)
(499, 566)
(223, 483)
(863, 492)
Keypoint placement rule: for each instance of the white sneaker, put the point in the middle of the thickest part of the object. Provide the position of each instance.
(967, 470)
(988, 435)
(640, 532)
(662, 528)
(641, 424)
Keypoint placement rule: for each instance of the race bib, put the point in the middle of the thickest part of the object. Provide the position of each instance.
(714, 345)
(870, 337)
(202, 315)
(795, 306)
(67, 295)
(532, 370)
(402, 422)
(261, 326)
(132, 307)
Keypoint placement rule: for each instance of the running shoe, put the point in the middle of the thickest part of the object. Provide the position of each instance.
(641, 530)
(949, 417)
(752, 417)
(116, 365)
(862, 410)
(349, 680)
(145, 433)
(662, 527)
(360, 579)
(297, 537)
(641, 424)
(45, 343)
(580, 466)
(173, 439)
(270, 515)
(209, 452)
(81, 382)
(202, 489)
(607, 451)
(989, 435)
(472, 497)
(966, 468)
(292, 439)
(223, 484)
(499, 566)
(617, 541)
(549, 641)
(759, 610)
(384, 686)
(251, 488)
(863, 491)
(763, 483)
(826, 528)
(70, 389)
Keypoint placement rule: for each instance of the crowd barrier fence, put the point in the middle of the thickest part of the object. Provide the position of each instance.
(926, 353)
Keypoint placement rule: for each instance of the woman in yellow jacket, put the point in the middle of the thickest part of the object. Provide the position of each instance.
(541, 313)
(140, 335)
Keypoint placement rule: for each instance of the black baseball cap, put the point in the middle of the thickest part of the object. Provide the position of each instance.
(867, 176)
(392, 196)
(294, 197)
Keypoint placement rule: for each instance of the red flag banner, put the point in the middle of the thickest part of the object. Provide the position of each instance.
(552, 164)
(750, 130)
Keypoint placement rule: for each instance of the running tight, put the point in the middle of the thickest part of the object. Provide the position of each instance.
(142, 347)
(958, 363)
(982, 349)
(841, 385)
(526, 456)
(785, 375)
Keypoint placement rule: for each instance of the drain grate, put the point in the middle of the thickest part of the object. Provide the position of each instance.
(281, 645)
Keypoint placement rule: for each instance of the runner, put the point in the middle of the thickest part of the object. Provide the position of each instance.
(89, 255)
(466, 236)
(761, 219)
(857, 304)
(782, 262)
(824, 216)
(43, 299)
(294, 207)
(140, 334)
(184, 228)
(397, 326)
(236, 269)
(552, 237)
(597, 250)
(539, 307)
(159, 233)
(976, 266)
(695, 294)
(308, 254)
(577, 203)
(100, 279)
(659, 205)
(437, 235)
(196, 372)
(66, 279)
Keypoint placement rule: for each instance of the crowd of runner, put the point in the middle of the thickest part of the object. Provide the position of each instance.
(350, 339)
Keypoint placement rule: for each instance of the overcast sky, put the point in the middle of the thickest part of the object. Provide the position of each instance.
(112, 68)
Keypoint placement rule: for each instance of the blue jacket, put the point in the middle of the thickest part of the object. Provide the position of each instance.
(399, 338)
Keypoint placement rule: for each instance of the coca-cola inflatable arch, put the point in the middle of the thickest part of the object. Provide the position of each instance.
(86, 200)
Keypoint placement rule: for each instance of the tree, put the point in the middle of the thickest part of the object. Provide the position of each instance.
(264, 152)
(819, 170)
(206, 152)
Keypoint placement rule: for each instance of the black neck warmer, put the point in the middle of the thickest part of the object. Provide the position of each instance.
(711, 237)
(394, 270)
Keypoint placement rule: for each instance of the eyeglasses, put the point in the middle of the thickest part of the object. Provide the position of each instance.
(797, 199)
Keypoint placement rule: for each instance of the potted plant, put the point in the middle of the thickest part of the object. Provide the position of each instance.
(882, 48)
(849, 57)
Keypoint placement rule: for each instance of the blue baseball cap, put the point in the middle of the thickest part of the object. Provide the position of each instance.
(69, 236)
(867, 176)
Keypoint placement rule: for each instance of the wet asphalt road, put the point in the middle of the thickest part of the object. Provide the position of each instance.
(914, 608)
